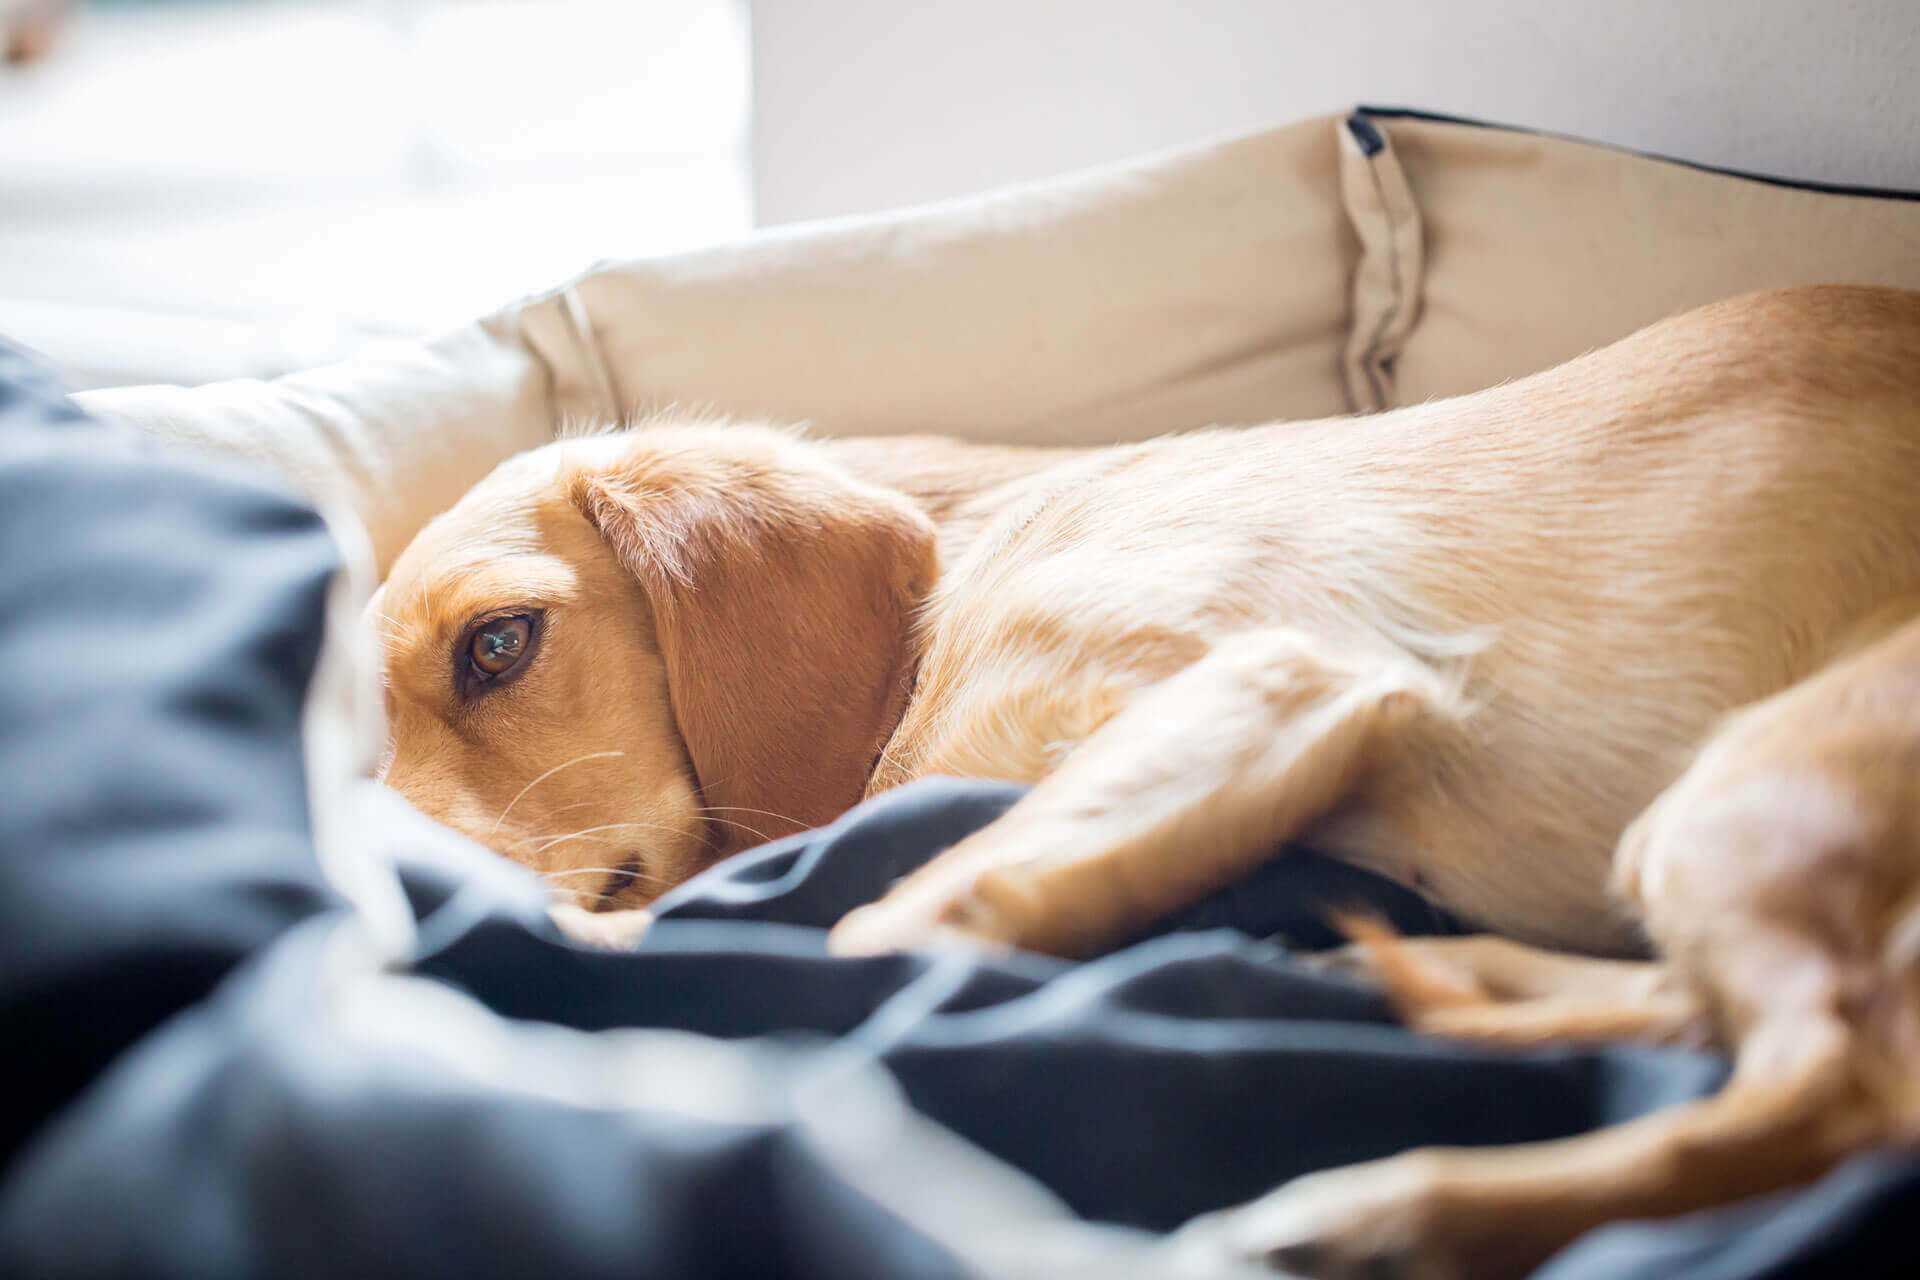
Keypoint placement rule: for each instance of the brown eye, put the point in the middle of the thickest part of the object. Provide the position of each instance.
(498, 646)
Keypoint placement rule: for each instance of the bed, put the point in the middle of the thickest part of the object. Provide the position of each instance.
(264, 1019)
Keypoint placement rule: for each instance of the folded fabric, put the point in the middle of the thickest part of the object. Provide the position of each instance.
(1340, 264)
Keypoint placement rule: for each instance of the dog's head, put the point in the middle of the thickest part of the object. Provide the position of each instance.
(622, 657)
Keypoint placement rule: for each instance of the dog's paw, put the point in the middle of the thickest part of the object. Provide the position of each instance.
(1364, 1222)
(1492, 991)
(887, 926)
(978, 911)
(1420, 977)
(604, 930)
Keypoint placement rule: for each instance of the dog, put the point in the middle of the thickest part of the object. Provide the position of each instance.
(1618, 659)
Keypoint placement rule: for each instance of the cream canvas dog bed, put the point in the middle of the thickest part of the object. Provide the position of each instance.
(1341, 264)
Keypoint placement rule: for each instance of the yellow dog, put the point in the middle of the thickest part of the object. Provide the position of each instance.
(1624, 650)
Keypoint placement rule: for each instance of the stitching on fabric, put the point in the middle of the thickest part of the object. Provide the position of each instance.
(1369, 357)
(587, 338)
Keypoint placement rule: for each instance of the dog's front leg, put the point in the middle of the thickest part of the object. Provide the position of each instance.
(1197, 780)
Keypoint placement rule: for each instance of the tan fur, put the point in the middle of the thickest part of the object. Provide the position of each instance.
(1463, 644)
(1780, 877)
(780, 595)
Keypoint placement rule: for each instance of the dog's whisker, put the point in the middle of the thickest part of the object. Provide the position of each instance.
(741, 808)
(611, 826)
(701, 791)
(632, 873)
(888, 757)
(551, 838)
(752, 831)
(546, 835)
(547, 840)
(591, 755)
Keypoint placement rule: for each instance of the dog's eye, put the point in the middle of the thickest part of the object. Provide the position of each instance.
(499, 646)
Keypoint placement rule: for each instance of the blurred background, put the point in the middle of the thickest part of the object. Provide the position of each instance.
(198, 189)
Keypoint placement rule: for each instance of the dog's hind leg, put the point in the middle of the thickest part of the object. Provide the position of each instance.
(1194, 782)
(1467, 1214)
(1780, 876)
(1803, 1096)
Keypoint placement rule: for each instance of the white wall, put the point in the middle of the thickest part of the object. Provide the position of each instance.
(864, 104)
(219, 190)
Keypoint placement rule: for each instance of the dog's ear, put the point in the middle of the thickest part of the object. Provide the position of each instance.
(783, 592)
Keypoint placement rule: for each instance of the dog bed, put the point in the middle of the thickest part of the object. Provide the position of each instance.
(267, 1020)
